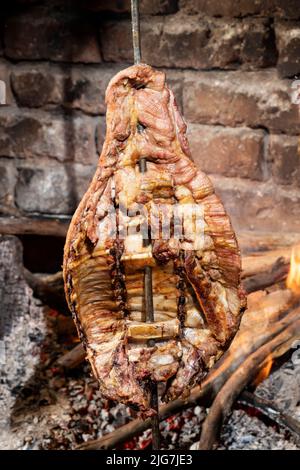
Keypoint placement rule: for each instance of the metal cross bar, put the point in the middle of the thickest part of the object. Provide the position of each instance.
(148, 290)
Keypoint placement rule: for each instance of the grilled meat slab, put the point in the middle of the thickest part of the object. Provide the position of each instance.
(191, 247)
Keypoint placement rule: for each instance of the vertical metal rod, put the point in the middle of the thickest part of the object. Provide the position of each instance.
(136, 38)
(155, 418)
(148, 290)
(149, 295)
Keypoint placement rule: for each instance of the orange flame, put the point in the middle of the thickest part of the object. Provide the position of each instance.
(264, 371)
(293, 279)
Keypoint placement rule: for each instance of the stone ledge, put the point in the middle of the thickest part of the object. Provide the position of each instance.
(241, 8)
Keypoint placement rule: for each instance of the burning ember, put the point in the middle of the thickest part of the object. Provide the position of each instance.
(293, 279)
(265, 371)
(292, 283)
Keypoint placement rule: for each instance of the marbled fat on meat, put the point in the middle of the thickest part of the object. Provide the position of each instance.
(198, 300)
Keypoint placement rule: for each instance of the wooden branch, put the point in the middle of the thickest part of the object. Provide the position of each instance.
(8, 211)
(72, 358)
(263, 262)
(268, 408)
(242, 346)
(34, 226)
(226, 397)
(278, 272)
(269, 316)
(251, 242)
(49, 288)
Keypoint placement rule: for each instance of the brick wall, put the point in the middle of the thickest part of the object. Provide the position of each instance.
(230, 63)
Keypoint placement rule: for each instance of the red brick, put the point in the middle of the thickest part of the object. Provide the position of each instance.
(1, 36)
(33, 135)
(116, 39)
(100, 133)
(175, 81)
(146, 7)
(193, 42)
(251, 99)
(77, 87)
(285, 158)
(283, 8)
(45, 189)
(227, 151)
(115, 6)
(83, 175)
(7, 185)
(288, 44)
(36, 85)
(224, 8)
(52, 188)
(158, 7)
(241, 8)
(85, 87)
(5, 73)
(44, 34)
(259, 206)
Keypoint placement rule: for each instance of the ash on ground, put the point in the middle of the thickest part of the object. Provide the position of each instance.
(282, 389)
(244, 432)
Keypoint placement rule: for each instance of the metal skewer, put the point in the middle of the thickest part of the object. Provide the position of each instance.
(136, 37)
(148, 290)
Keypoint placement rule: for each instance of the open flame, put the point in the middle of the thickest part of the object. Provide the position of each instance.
(292, 283)
(293, 279)
(264, 371)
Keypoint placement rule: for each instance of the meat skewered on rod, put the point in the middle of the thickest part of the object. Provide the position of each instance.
(196, 293)
(148, 294)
